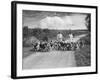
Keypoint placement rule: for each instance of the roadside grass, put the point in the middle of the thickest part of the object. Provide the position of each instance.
(26, 51)
(83, 56)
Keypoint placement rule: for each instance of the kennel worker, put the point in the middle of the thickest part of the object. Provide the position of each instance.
(59, 37)
(38, 45)
(71, 37)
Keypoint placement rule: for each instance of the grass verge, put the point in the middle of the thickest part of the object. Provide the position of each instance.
(83, 56)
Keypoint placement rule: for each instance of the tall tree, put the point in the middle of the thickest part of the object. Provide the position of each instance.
(88, 22)
(25, 31)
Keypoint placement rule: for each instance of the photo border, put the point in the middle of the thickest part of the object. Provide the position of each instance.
(14, 38)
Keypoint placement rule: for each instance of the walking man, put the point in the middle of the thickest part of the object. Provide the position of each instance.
(59, 37)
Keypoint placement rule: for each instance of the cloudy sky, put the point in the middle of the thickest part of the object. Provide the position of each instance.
(54, 20)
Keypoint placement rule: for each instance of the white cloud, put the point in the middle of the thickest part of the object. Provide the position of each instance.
(52, 23)
(66, 22)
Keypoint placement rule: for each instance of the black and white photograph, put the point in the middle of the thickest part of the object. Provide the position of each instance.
(55, 39)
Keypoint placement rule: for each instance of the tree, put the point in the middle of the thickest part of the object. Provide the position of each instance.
(25, 31)
(37, 33)
(88, 22)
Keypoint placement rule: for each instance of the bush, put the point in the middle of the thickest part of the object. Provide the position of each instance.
(29, 41)
(87, 39)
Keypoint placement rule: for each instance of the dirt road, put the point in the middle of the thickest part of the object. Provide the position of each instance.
(53, 59)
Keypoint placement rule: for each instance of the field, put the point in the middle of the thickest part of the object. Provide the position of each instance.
(41, 34)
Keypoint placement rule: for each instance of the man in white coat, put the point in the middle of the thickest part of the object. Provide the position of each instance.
(59, 37)
(71, 37)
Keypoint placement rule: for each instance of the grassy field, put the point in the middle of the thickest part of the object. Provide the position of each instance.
(50, 34)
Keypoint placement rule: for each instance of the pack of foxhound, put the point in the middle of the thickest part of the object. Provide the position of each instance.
(70, 44)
